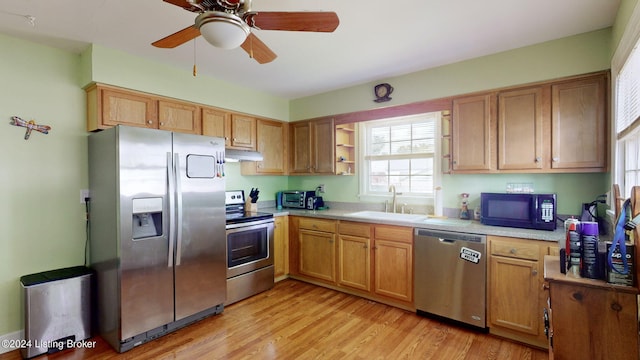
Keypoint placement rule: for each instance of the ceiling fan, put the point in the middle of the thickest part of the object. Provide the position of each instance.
(227, 24)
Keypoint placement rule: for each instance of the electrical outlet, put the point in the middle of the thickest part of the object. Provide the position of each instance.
(84, 193)
(321, 188)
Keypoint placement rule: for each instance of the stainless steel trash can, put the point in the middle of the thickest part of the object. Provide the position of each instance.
(57, 309)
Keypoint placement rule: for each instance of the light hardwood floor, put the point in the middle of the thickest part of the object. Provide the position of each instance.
(296, 320)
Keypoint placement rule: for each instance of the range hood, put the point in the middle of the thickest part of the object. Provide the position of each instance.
(234, 155)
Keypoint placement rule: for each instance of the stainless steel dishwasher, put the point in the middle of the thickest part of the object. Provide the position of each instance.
(450, 275)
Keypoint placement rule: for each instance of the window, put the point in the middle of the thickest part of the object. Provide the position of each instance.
(400, 152)
(627, 111)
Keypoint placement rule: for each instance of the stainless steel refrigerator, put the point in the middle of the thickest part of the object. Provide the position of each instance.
(157, 231)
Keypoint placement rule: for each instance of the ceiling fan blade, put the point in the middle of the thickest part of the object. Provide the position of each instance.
(258, 50)
(294, 21)
(182, 3)
(178, 38)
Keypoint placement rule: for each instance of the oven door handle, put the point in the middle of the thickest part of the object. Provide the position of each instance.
(248, 225)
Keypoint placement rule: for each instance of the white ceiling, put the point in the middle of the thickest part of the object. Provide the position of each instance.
(376, 39)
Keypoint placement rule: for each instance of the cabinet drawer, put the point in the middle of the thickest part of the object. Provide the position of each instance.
(318, 224)
(394, 233)
(354, 229)
(518, 250)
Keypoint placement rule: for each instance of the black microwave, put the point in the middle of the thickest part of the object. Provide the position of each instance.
(296, 199)
(529, 211)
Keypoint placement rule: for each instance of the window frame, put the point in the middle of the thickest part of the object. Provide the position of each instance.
(619, 138)
(364, 162)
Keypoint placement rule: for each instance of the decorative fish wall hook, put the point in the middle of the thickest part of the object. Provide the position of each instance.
(30, 125)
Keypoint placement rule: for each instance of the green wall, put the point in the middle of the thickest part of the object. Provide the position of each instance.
(568, 56)
(41, 215)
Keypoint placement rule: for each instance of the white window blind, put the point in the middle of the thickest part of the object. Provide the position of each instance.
(628, 92)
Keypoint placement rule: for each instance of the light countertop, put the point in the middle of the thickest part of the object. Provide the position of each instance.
(473, 227)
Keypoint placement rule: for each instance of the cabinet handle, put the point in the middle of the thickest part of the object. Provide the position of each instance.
(538, 159)
(161, 124)
(365, 246)
(226, 138)
(534, 272)
(555, 159)
(545, 286)
(330, 241)
(234, 139)
(513, 251)
(149, 122)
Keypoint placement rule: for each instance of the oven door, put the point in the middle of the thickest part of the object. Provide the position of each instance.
(249, 247)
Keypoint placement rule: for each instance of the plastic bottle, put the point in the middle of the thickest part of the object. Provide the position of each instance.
(574, 250)
(589, 250)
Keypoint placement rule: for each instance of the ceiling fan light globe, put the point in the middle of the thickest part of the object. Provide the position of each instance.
(223, 30)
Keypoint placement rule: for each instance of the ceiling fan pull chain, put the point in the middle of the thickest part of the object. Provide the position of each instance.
(195, 70)
(250, 47)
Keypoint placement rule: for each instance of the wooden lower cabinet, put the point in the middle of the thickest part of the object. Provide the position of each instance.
(515, 292)
(393, 262)
(354, 255)
(372, 261)
(281, 247)
(317, 249)
(590, 319)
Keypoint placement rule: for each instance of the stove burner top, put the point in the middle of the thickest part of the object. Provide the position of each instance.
(235, 210)
(246, 216)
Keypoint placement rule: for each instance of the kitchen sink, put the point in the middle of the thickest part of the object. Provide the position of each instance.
(445, 222)
(381, 215)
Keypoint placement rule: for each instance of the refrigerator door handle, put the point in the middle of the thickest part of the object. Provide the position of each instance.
(170, 206)
(178, 194)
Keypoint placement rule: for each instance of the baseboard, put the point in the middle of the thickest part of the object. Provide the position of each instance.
(13, 337)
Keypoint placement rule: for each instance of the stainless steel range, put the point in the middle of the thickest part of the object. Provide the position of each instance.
(249, 249)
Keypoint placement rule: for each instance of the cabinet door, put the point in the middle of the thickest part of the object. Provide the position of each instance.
(520, 129)
(323, 136)
(579, 128)
(214, 123)
(514, 294)
(354, 262)
(280, 246)
(317, 255)
(179, 116)
(128, 108)
(472, 133)
(393, 269)
(243, 132)
(300, 148)
(270, 138)
(593, 323)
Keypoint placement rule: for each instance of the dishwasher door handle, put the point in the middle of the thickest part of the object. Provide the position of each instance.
(448, 241)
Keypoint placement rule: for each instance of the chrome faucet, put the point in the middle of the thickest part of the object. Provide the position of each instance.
(392, 189)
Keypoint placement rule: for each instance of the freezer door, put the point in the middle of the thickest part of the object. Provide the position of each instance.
(200, 259)
(146, 278)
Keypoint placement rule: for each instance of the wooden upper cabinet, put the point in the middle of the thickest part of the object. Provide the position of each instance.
(108, 107)
(520, 129)
(214, 123)
(312, 147)
(472, 133)
(243, 132)
(578, 124)
(270, 142)
(300, 148)
(323, 135)
(179, 116)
